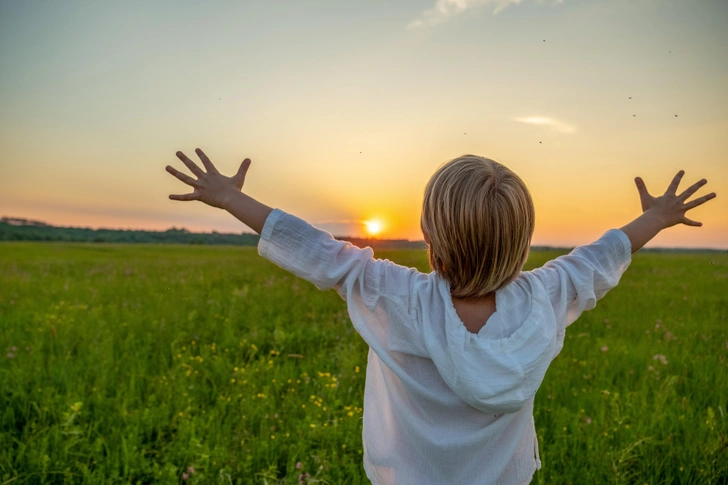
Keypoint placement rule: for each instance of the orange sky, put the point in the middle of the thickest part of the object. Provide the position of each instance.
(346, 109)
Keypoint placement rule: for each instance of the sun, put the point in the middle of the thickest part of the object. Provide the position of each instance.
(373, 226)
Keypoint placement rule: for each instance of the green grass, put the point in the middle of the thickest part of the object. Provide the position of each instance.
(130, 364)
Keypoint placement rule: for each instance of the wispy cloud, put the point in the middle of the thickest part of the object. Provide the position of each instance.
(445, 9)
(549, 123)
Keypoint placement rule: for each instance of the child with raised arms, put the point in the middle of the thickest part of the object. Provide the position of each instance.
(456, 355)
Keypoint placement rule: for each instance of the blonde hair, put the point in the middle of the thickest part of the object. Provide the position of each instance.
(478, 218)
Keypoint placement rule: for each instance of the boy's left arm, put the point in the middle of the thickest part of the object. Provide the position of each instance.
(378, 293)
(316, 256)
(305, 251)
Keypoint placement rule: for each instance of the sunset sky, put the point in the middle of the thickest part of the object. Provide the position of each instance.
(347, 107)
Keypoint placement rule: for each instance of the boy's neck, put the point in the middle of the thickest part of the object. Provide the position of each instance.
(474, 312)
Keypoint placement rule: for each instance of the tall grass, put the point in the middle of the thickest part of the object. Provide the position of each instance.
(178, 364)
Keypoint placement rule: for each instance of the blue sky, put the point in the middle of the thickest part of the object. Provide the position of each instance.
(347, 107)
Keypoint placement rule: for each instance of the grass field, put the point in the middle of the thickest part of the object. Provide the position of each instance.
(179, 364)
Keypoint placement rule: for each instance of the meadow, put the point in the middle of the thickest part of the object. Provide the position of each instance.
(197, 364)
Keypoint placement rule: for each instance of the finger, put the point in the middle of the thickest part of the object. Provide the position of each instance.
(190, 164)
(699, 201)
(206, 161)
(690, 222)
(675, 182)
(242, 171)
(692, 189)
(183, 177)
(192, 196)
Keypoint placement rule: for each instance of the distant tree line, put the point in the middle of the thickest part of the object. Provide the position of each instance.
(384, 243)
(16, 229)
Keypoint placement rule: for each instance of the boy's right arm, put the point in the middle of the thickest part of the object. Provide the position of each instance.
(575, 282)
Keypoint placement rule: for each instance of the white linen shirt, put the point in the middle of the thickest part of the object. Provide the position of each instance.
(443, 405)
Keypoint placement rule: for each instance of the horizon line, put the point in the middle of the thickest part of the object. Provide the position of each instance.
(38, 223)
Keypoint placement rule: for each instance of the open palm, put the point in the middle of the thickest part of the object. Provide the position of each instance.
(210, 187)
(671, 207)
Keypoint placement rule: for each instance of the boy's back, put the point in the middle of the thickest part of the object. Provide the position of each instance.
(443, 405)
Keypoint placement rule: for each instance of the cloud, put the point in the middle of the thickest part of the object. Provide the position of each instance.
(549, 123)
(445, 9)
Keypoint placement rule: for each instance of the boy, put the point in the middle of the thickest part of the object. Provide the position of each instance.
(457, 355)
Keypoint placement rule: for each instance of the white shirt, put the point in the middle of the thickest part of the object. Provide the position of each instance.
(443, 405)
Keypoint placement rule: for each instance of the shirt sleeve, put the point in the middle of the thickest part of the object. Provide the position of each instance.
(574, 282)
(368, 285)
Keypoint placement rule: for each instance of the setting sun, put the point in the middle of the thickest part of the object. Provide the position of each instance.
(374, 227)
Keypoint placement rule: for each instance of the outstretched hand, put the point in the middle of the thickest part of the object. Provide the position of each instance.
(210, 187)
(670, 207)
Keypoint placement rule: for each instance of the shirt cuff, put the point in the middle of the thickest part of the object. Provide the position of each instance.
(267, 232)
(626, 245)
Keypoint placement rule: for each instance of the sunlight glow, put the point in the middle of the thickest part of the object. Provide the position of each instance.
(374, 227)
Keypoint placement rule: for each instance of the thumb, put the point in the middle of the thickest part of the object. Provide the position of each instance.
(645, 197)
(690, 222)
(240, 176)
